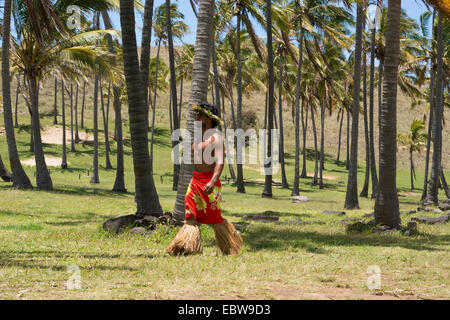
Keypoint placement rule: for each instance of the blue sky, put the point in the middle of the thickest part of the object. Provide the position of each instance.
(414, 8)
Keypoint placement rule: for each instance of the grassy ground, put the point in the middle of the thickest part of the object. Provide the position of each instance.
(43, 233)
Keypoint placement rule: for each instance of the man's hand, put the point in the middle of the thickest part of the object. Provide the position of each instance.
(209, 187)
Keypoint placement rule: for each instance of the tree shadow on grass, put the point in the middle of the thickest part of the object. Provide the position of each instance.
(264, 237)
(269, 213)
(83, 191)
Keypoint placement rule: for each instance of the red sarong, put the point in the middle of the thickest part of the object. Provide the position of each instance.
(204, 207)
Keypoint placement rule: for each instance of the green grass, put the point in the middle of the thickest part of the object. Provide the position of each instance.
(42, 233)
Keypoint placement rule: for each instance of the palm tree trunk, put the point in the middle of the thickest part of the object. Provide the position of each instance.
(63, 110)
(433, 187)
(365, 190)
(82, 105)
(154, 106)
(119, 182)
(351, 197)
(4, 173)
(77, 136)
(240, 174)
(43, 180)
(304, 173)
(316, 168)
(173, 91)
(386, 203)
(108, 165)
(373, 166)
(95, 177)
(180, 105)
(411, 167)
(347, 161)
(227, 150)
(72, 139)
(322, 136)
(146, 47)
(341, 112)
(444, 184)
(55, 109)
(267, 192)
(284, 182)
(146, 197)
(199, 92)
(16, 120)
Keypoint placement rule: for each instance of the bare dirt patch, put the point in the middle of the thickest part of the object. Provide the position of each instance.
(49, 160)
(325, 176)
(53, 135)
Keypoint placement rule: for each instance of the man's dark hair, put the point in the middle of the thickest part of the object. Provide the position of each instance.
(214, 110)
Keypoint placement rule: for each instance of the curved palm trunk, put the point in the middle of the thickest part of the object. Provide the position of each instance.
(373, 166)
(4, 173)
(55, 108)
(43, 180)
(20, 179)
(386, 203)
(267, 192)
(154, 105)
(365, 190)
(199, 92)
(173, 90)
(146, 197)
(240, 173)
(433, 187)
(351, 197)
(108, 165)
(284, 182)
(16, 120)
(95, 177)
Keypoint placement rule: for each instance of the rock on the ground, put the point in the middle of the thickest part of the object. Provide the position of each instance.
(369, 215)
(411, 212)
(240, 226)
(383, 229)
(432, 220)
(334, 213)
(260, 218)
(444, 206)
(347, 221)
(411, 229)
(146, 221)
(296, 199)
(117, 225)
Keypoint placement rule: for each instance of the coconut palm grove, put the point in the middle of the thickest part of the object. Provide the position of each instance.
(327, 122)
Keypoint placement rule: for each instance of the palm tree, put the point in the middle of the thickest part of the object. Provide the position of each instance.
(386, 203)
(63, 109)
(95, 176)
(19, 177)
(119, 182)
(173, 91)
(146, 197)
(351, 198)
(433, 186)
(105, 116)
(199, 92)
(267, 192)
(146, 45)
(415, 140)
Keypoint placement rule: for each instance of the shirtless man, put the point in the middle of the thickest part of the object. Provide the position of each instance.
(204, 194)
